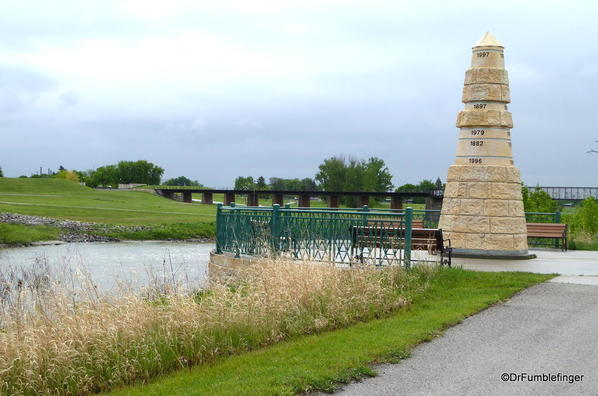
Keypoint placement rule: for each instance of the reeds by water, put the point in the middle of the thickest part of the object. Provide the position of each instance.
(56, 340)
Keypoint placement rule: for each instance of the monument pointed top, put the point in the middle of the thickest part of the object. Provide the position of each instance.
(488, 40)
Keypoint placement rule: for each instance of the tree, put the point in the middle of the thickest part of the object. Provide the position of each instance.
(439, 185)
(244, 183)
(261, 183)
(142, 172)
(332, 174)
(104, 176)
(341, 174)
(538, 201)
(585, 220)
(407, 188)
(67, 175)
(182, 181)
(426, 185)
(1, 173)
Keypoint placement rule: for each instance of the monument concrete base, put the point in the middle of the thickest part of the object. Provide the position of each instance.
(494, 254)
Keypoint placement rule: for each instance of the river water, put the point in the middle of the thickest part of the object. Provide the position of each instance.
(111, 265)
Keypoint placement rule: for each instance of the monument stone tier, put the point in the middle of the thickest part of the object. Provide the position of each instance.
(482, 212)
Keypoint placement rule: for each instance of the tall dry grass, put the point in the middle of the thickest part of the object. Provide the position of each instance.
(55, 340)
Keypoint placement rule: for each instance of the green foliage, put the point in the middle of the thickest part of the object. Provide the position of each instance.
(1, 173)
(104, 176)
(142, 172)
(341, 174)
(260, 184)
(306, 184)
(424, 185)
(585, 220)
(538, 201)
(68, 175)
(245, 183)
(182, 181)
(125, 172)
(20, 234)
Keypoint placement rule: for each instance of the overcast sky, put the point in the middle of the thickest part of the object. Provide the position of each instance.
(216, 89)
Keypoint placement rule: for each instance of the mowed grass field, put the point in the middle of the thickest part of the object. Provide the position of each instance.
(63, 199)
(67, 200)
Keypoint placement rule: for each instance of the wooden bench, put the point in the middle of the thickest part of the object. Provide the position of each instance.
(428, 239)
(555, 231)
(416, 223)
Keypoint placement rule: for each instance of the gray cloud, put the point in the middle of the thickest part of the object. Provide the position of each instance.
(217, 91)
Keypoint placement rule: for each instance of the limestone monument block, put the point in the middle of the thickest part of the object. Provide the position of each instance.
(482, 212)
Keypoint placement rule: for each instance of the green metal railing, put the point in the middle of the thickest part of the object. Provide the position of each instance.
(537, 217)
(341, 236)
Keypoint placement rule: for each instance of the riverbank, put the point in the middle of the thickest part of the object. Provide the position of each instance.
(23, 230)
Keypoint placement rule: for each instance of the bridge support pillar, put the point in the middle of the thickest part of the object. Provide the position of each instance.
(207, 198)
(396, 203)
(253, 199)
(229, 198)
(187, 196)
(364, 200)
(304, 201)
(278, 199)
(168, 194)
(333, 201)
(433, 203)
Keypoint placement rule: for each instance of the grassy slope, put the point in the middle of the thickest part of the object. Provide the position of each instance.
(67, 200)
(320, 362)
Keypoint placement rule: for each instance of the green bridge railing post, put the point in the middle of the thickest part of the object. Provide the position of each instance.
(275, 229)
(219, 228)
(408, 227)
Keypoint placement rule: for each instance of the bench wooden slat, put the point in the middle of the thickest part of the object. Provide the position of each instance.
(374, 235)
(549, 231)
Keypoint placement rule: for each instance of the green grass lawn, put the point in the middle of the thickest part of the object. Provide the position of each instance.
(18, 234)
(64, 199)
(322, 361)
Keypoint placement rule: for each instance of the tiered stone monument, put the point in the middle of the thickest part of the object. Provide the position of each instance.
(482, 212)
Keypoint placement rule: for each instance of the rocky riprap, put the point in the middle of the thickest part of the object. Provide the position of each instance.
(71, 230)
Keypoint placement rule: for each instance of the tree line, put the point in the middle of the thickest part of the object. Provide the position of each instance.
(341, 174)
(124, 172)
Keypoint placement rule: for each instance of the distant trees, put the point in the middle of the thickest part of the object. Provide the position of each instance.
(422, 186)
(342, 174)
(182, 181)
(244, 183)
(142, 172)
(280, 184)
(260, 184)
(538, 201)
(1, 173)
(67, 175)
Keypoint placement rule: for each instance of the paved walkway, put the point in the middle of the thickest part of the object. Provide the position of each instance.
(548, 329)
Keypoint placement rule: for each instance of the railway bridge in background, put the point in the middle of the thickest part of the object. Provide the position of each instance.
(569, 193)
(433, 198)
